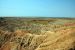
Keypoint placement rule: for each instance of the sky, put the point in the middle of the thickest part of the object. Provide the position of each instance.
(38, 8)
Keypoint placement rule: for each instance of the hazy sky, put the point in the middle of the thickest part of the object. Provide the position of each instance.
(46, 8)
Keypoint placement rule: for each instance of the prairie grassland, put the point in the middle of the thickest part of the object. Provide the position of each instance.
(37, 34)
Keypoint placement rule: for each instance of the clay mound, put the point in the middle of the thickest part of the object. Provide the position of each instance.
(60, 40)
(65, 41)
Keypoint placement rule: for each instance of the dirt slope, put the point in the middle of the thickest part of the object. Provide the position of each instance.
(61, 40)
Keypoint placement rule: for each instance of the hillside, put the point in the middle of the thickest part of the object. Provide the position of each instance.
(37, 34)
